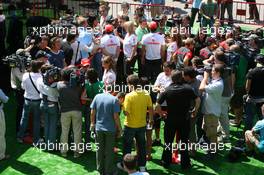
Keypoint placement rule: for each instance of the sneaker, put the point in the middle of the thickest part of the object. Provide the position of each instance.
(156, 142)
(142, 169)
(120, 166)
(76, 155)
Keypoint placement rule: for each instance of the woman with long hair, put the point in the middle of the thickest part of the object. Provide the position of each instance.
(130, 47)
(109, 76)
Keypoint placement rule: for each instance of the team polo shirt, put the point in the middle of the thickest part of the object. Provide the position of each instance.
(153, 43)
(110, 43)
(136, 104)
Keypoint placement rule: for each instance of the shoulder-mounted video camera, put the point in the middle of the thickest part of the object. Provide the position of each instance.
(21, 61)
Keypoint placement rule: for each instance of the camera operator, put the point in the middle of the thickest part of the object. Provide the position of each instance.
(251, 50)
(236, 102)
(182, 57)
(15, 80)
(254, 89)
(49, 105)
(71, 111)
(31, 103)
(212, 101)
(153, 52)
(42, 45)
(207, 52)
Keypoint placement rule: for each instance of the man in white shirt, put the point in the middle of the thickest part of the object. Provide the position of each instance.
(31, 103)
(110, 44)
(153, 52)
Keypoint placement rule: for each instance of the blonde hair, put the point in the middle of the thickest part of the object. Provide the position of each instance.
(109, 60)
(129, 26)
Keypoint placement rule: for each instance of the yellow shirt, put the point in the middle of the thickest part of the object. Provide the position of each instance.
(135, 105)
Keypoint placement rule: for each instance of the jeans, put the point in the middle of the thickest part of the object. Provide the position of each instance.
(97, 64)
(229, 8)
(51, 115)
(30, 106)
(128, 141)
(170, 128)
(105, 156)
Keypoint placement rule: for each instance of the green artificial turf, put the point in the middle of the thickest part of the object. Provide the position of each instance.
(26, 159)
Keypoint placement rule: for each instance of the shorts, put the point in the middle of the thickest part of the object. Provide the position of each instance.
(237, 98)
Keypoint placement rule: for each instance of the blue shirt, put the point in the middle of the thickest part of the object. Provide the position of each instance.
(57, 59)
(161, 2)
(213, 97)
(86, 38)
(105, 105)
(259, 127)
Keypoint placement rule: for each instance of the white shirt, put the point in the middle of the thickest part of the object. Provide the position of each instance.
(52, 93)
(16, 78)
(162, 81)
(30, 91)
(129, 42)
(110, 43)
(172, 47)
(153, 43)
(82, 51)
(109, 77)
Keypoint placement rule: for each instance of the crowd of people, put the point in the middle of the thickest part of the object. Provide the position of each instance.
(148, 73)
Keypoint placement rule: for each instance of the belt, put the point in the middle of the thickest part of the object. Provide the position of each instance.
(32, 99)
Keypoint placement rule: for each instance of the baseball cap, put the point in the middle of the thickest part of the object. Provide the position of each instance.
(86, 62)
(108, 28)
(153, 25)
